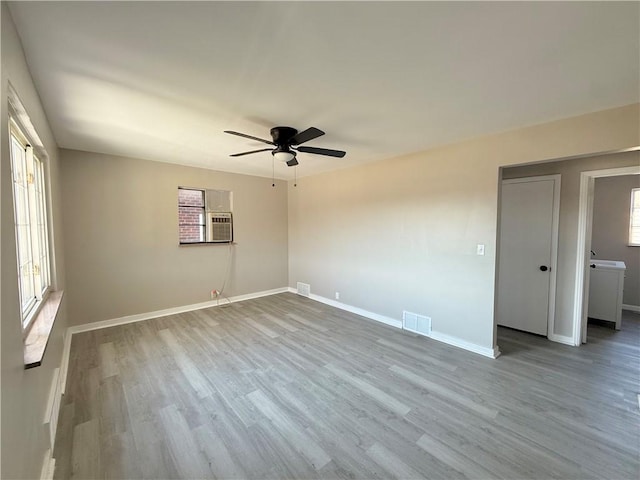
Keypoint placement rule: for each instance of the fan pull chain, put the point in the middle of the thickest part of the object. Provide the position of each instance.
(273, 171)
(295, 176)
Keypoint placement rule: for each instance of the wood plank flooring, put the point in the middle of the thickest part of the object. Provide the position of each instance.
(285, 387)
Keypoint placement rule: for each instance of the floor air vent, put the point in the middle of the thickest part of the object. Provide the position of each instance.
(304, 289)
(416, 323)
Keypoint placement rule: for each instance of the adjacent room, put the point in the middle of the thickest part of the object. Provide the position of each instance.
(320, 240)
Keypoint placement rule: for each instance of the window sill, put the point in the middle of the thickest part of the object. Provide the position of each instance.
(187, 244)
(37, 339)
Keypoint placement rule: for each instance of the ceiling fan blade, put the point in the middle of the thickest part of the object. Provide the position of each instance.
(322, 151)
(252, 151)
(293, 162)
(249, 136)
(306, 135)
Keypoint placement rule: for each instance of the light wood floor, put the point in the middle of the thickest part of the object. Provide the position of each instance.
(285, 387)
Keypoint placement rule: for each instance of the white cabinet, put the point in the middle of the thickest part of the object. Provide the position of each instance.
(605, 290)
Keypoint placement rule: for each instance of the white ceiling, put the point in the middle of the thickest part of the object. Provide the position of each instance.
(161, 81)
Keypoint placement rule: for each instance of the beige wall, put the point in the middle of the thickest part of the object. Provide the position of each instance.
(568, 228)
(121, 237)
(401, 234)
(610, 237)
(24, 392)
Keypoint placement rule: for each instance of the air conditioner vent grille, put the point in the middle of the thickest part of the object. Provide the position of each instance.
(220, 227)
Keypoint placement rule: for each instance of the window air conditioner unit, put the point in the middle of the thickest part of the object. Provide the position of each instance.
(219, 227)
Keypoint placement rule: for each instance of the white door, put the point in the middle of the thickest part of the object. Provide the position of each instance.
(528, 244)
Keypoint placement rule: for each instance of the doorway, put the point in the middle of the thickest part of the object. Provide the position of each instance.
(572, 251)
(584, 247)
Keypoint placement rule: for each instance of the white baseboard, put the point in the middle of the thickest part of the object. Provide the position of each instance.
(358, 311)
(168, 311)
(631, 308)
(471, 347)
(48, 466)
(440, 337)
(561, 339)
(264, 293)
(64, 362)
(52, 410)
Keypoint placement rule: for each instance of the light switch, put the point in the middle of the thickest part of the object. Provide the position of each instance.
(480, 249)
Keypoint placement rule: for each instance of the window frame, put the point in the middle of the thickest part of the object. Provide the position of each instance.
(634, 214)
(216, 217)
(33, 220)
(203, 223)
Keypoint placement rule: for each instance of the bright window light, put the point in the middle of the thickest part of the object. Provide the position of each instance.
(634, 220)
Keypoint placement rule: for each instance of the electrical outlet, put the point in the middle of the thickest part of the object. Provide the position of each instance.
(337, 295)
(480, 249)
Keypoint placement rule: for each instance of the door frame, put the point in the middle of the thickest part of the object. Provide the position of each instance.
(553, 261)
(585, 221)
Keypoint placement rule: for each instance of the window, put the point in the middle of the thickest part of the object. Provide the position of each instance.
(634, 220)
(191, 215)
(204, 216)
(30, 214)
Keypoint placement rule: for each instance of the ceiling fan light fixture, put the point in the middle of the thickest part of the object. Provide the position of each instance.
(284, 156)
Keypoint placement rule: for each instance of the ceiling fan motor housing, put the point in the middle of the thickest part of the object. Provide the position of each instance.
(282, 135)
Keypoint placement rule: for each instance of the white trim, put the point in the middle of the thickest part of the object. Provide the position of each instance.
(358, 311)
(566, 340)
(64, 362)
(48, 466)
(440, 337)
(584, 242)
(585, 216)
(553, 280)
(555, 233)
(169, 311)
(52, 410)
(471, 347)
(251, 296)
(631, 308)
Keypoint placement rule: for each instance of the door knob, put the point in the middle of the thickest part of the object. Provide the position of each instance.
(543, 268)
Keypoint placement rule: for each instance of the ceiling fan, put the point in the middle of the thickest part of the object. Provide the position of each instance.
(287, 142)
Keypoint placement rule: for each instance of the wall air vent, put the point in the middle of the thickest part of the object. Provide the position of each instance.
(304, 289)
(416, 323)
